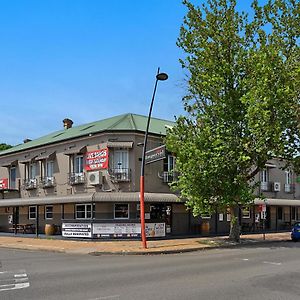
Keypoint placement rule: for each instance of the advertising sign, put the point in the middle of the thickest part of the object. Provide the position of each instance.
(3, 183)
(104, 230)
(96, 160)
(155, 154)
(82, 230)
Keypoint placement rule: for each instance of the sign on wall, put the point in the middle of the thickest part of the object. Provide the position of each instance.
(104, 230)
(96, 160)
(3, 183)
(155, 154)
(77, 230)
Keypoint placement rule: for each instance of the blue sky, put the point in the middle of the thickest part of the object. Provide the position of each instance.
(86, 60)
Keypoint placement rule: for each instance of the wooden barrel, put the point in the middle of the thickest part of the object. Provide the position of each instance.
(205, 228)
(49, 229)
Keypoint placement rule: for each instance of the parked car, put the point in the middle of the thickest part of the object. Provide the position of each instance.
(295, 234)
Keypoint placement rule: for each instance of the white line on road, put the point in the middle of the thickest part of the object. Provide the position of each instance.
(107, 297)
(272, 263)
(245, 259)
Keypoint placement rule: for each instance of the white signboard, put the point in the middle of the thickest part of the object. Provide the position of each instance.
(77, 230)
(128, 229)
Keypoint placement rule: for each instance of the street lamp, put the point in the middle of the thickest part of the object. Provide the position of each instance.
(159, 77)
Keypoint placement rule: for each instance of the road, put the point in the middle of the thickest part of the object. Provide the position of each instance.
(267, 272)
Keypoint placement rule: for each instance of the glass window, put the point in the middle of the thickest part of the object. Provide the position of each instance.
(32, 212)
(264, 175)
(280, 213)
(49, 168)
(83, 211)
(12, 177)
(121, 211)
(78, 164)
(32, 170)
(49, 212)
(246, 212)
(288, 177)
(120, 159)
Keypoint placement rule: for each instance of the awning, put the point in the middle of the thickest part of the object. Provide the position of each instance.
(75, 150)
(45, 155)
(88, 198)
(119, 144)
(278, 202)
(27, 160)
(10, 163)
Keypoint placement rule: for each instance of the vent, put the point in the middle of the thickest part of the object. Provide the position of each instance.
(276, 187)
(94, 178)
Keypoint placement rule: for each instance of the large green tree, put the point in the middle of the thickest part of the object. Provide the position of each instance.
(242, 101)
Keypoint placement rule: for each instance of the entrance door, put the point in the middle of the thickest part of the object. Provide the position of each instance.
(160, 212)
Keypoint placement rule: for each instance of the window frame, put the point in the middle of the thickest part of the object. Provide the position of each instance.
(13, 186)
(46, 217)
(128, 211)
(85, 211)
(31, 212)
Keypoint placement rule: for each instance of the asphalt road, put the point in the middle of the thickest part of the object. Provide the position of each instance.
(267, 272)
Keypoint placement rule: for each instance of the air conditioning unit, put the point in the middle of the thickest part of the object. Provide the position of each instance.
(276, 186)
(94, 178)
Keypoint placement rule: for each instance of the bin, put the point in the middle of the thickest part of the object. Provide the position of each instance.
(49, 229)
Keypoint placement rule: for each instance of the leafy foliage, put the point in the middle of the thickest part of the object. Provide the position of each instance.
(242, 102)
(4, 146)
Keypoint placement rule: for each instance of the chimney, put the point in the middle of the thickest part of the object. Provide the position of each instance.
(67, 123)
(27, 140)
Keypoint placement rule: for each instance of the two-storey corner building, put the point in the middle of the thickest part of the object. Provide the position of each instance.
(85, 181)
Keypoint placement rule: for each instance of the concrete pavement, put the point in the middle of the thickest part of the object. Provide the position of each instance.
(132, 247)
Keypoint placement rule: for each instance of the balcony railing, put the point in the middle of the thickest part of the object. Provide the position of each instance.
(266, 186)
(120, 174)
(30, 183)
(76, 178)
(47, 182)
(289, 188)
(168, 177)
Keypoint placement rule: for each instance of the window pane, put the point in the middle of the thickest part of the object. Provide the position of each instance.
(121, 211)
(12, 178)
(49, 212)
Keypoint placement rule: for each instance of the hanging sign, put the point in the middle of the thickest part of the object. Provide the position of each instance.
(3, 183)
(155, 154)
(96, 160)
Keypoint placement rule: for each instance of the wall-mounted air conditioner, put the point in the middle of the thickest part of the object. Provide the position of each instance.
(276, 186)
(94, 178)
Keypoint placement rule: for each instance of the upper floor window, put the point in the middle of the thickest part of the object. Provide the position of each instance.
(12, 177)
(288, 177)
(49, 168)
(32, 171)
(119, 164)
(78, 164)
(264, 175)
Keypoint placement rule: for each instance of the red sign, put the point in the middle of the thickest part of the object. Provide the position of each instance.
(262, 207)
(3, 183)
(95, 160)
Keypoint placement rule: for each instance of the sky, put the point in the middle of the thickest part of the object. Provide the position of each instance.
(87, 60)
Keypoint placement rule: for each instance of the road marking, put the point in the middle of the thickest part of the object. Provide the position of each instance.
(107, 297)
(272, 263)
(245, 259)
(14, 280)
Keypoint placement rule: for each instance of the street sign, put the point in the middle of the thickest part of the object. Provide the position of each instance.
(155, 154)
(262, 207)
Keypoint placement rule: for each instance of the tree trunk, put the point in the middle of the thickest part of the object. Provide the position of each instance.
(234, 234)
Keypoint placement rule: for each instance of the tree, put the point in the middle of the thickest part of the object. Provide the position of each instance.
(4, 146)
(242, 102)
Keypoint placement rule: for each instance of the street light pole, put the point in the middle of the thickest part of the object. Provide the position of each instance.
(159, 77)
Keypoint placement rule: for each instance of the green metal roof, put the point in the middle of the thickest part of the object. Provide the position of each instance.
(126, 122)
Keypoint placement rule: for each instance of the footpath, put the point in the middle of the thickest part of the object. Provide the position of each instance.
(126, 247)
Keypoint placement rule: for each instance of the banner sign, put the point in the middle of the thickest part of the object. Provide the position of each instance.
(111, 230)
(3, 183)
(155, 154)
(82, 230)
(96, 160)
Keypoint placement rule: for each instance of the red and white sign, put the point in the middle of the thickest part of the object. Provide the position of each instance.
(262, 207)
(3, 183)
(95, 160)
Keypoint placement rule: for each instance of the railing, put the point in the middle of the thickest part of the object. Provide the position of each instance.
(47, 182)
(266, 186)
(30, 184)
(289, 188)
(76, 178)
(168, 177)
(120, 174)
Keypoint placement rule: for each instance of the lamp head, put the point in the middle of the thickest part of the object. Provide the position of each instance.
(162, 76)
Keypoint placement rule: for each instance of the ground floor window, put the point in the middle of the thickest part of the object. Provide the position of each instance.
(280, 213)
(246, 212)
(48, 212)
(32, 212)
(83, 211)
(294, 213)
(121, 211)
